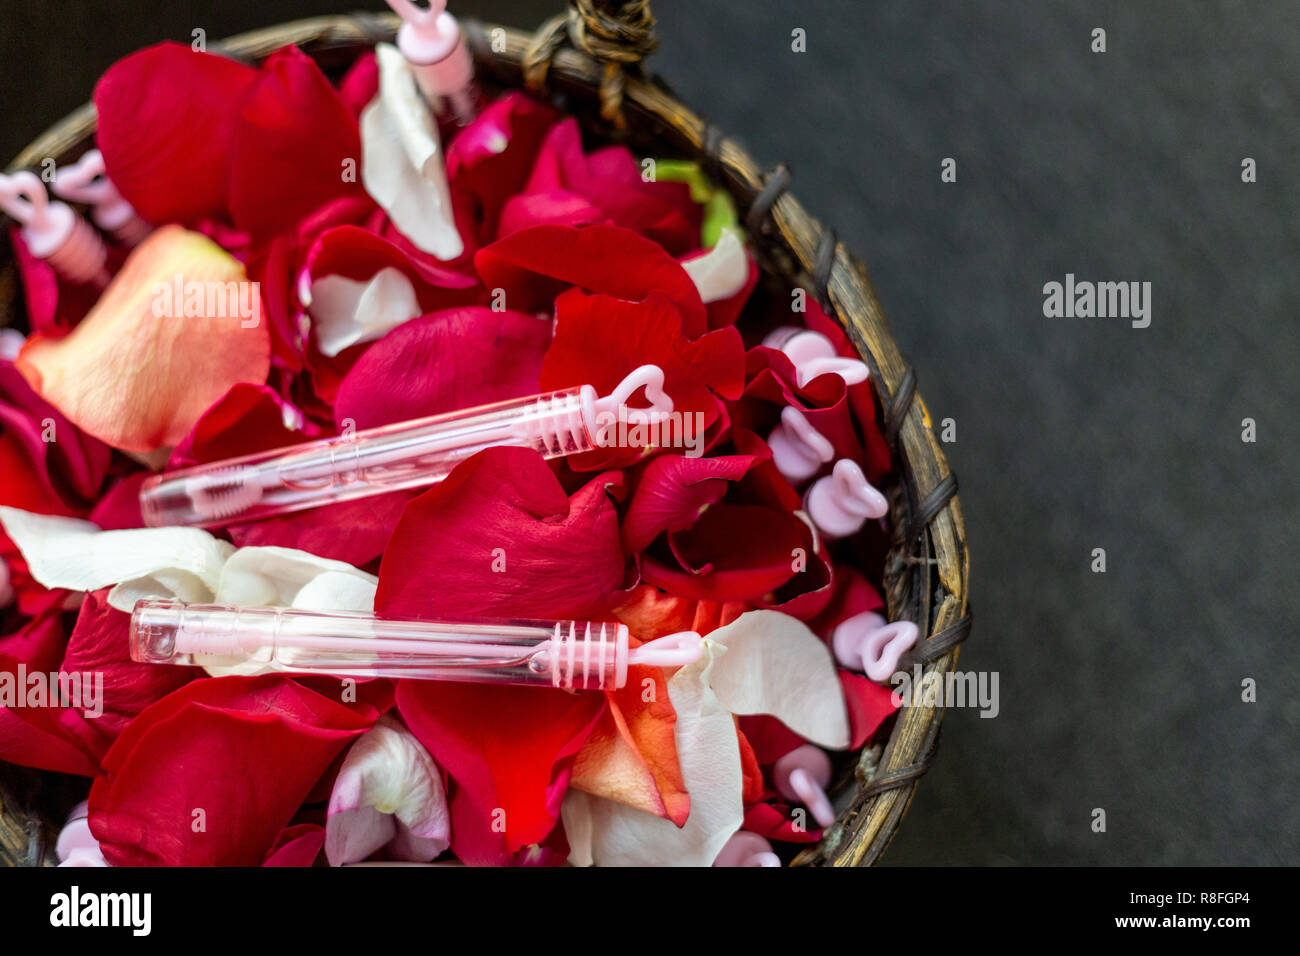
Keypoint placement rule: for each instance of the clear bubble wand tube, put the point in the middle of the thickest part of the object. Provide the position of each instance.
(394, 457)
(570, 655)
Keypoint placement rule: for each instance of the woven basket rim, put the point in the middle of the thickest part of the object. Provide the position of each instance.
(928, 568)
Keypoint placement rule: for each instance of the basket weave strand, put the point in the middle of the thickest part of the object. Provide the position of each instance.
(617, 34)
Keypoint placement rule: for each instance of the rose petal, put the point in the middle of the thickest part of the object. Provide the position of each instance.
(354, 532)
(139, 380)
(64, 467)
(346, 312)
(210, 774)
(402, 162)
(869, 705)
(775, 665)
(599, 340)
(776, 821)
(619, 336)
(535, 265)
(609, 182)
(387, 793)
(358, 286)
(723, 271)
(150, 105)
(649, 613)
(490, 158)
(296, 846)
(446, 361)
(289, 145)
(511, 543)
(360, 84)
(509, 752)
(114, 688)
(605, 833)
(734, 552)
(276, 576)
(70, 553)
(32, 736)
(247, 419)
(631, 756)
(674, 491)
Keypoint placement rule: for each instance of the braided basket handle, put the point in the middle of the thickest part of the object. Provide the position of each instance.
(617, 33)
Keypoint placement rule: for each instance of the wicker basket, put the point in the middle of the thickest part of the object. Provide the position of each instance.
(588, 61)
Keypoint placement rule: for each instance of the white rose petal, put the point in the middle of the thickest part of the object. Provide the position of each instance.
(402, 162)
(184, 563)
(775, 665)
(388, 793)
(345, 312)
(722, 271)
(605, 833)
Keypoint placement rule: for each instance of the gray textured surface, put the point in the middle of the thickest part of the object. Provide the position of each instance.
(1120, 690)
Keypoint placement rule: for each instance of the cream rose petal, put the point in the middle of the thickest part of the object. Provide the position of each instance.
(388, 793)
(178, 326)
(338, 591)
(402, 160)
(722, 271)
(275, 576)
(775, 665)
(188, 564)
(346, 312)
(287, 577)
(184, 563)
(604, 833)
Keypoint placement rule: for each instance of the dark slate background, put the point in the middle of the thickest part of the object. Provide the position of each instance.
(1118, 690)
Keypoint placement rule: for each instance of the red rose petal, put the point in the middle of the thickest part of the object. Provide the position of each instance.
(674, 491)
(509, 752)
(61, 465)
(734, 552)
(599, 340)
(555, 557)
(870, 705)
(167, 116)
(245, 751)
(292, 137)
(298, 845)
(99, 646)
(443, 362)
(31, 736)
(535, 265)
(490, 158)
(248, 418)
(778, 822)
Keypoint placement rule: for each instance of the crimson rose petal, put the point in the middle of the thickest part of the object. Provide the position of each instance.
(536, 264)
(210, 774)
(500, 538)
(443, 362)
(510, 752)
(291, 140)
(167, 118)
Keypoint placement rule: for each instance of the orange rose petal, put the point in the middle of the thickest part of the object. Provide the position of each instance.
(631, 756)
(138, 380)
(650, 613)
(749, 766)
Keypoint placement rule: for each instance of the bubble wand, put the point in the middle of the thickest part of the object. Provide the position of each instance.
(569, 655)
(394, 457)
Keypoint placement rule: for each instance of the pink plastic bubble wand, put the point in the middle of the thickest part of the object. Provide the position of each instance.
(394, 457)
(87, 181)
(433, 45)
(569, 655)
(54, 232)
